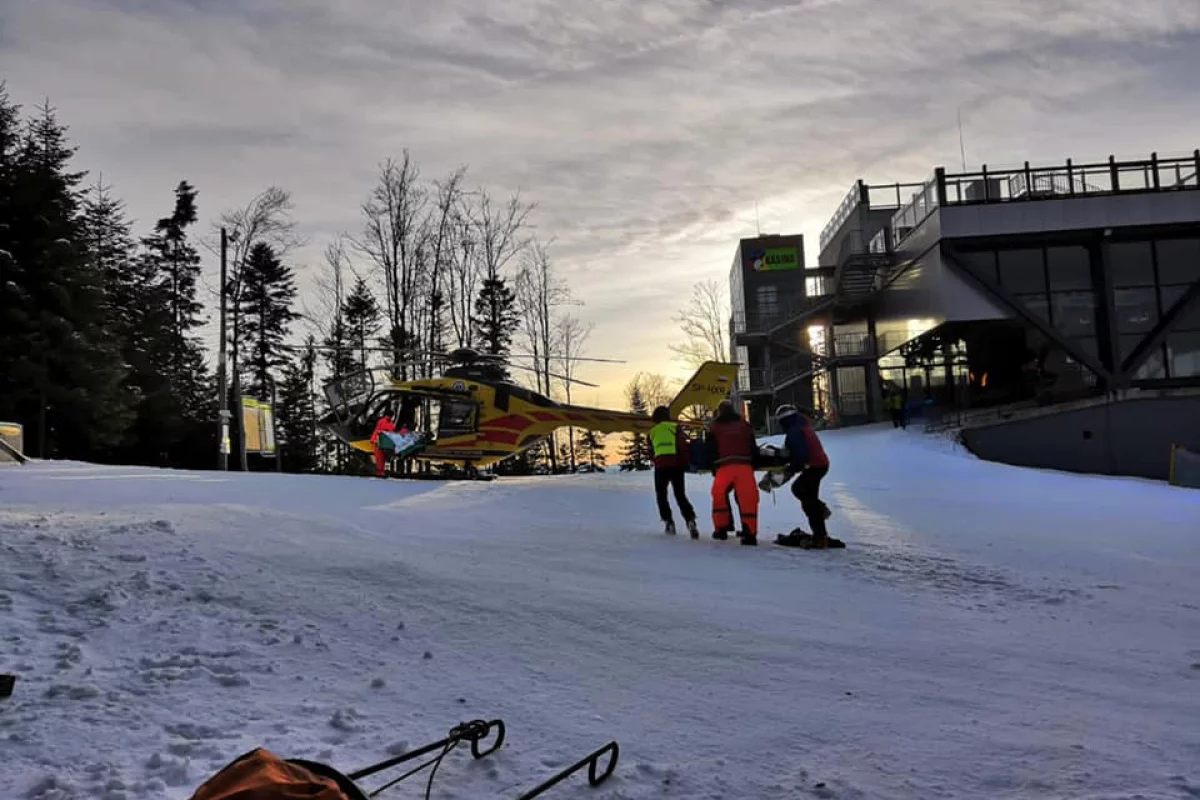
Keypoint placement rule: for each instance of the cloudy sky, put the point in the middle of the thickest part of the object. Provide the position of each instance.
(645, 130)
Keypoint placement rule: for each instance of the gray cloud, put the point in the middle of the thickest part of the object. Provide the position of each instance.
(645, 130)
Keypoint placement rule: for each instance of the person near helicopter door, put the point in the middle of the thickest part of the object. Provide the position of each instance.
(385, 425)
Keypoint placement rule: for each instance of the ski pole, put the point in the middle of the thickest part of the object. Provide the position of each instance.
(592, 761)
(474, 732)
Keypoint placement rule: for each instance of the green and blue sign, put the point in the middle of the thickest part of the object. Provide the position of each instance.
(774, 259)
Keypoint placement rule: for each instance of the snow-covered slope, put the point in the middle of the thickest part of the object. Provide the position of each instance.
(989, 632)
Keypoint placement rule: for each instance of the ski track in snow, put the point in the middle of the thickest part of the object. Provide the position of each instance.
(988, 632)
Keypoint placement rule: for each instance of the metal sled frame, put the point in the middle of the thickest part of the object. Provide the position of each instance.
(475, 732)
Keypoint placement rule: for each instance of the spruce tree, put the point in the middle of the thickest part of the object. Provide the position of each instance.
(15, 315)
(591, 448)
(62, 367)
(130, 297)
(496, 316)
(177, 407)
(637, 453)
(107, 234)
(362, 317)
(268, 289)
(179, 271)
(297, 413)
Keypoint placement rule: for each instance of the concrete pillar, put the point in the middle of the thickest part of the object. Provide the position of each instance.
(874, 384)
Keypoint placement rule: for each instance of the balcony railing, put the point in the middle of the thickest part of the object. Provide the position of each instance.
(763, 321)
(1029, 183)
(791, 367)
(753, 379)
(874, 196)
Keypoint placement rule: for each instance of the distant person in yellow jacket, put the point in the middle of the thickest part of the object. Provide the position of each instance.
(671, 459)
(896, 406)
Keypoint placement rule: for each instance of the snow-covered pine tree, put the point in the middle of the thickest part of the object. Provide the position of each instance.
(61, 370)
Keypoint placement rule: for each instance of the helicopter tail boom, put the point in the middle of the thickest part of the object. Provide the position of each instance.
(711, 383)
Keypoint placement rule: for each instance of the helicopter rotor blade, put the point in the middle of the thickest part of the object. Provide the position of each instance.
(554, 375)
(565, 358)
(443, 356)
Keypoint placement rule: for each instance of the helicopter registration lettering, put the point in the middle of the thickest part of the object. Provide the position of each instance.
(709, 388)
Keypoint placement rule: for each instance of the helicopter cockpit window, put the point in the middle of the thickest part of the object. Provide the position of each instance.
(456, 418)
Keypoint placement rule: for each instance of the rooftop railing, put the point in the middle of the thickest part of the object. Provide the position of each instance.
(874, 196)
(1029, 183)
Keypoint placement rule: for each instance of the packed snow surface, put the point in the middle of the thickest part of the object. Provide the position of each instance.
(988, 632)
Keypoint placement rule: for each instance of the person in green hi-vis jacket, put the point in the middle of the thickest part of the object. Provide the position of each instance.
(671, 459)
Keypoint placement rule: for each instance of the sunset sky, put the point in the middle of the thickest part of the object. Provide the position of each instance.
(645, 130)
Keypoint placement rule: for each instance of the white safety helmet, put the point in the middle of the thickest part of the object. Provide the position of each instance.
(785, 411)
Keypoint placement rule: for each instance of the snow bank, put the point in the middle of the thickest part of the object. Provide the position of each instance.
(990, 631)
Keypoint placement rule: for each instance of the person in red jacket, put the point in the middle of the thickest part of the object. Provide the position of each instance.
(733, 452)
(385, 424)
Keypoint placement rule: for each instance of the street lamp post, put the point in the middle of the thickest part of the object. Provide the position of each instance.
(223, 414)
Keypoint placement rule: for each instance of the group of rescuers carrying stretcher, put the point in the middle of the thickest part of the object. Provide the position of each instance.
(731, 451)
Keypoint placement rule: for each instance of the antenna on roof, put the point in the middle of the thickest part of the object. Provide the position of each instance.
(962, 148)
(757, 224)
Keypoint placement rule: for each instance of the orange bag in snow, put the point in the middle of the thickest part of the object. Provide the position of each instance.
(262, 775)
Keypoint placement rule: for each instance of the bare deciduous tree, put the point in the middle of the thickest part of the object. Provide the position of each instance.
(497, 237)
(498, 231)
(444, 225)
(464, 282)
(655, 389)
(705, 324)
(331, 325)
(572, 336)
(331, 292)
(393, 235)
(539, 292)
(265, 219)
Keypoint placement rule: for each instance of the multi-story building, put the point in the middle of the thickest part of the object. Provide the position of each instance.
(767, 281)
(1034, 285)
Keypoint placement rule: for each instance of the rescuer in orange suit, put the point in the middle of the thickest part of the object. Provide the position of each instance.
(733, 452)
(385, 424)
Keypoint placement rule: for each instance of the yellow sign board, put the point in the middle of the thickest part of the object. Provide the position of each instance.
(12, 442)
(258, 427)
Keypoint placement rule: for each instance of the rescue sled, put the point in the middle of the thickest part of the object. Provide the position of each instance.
(262, 775)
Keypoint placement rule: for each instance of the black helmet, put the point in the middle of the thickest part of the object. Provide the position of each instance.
(785, 411)
(661, 414)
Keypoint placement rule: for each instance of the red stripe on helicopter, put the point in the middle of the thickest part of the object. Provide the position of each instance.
(545, 416)
(513, 422)
(500, 437)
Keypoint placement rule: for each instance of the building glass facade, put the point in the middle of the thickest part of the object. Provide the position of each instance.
(1062, 284)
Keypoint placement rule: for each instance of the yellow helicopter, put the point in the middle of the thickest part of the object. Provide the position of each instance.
(475, 416)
